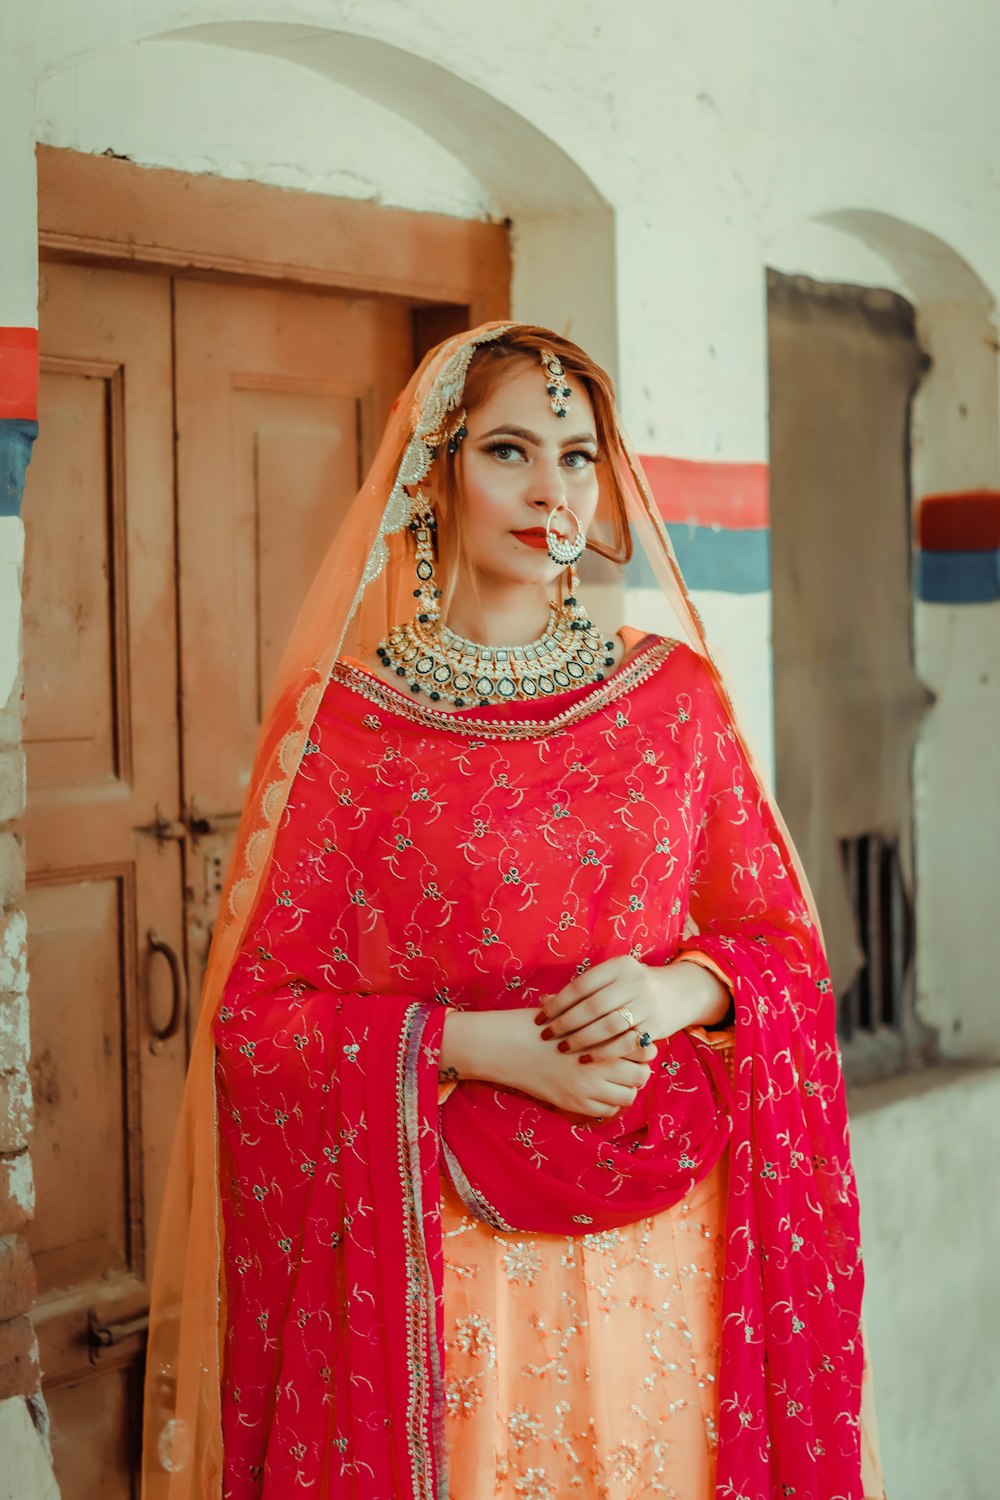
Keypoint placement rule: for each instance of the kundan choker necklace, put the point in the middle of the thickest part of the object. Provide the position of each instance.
(570, 653)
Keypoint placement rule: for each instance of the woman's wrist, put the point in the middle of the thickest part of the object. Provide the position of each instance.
(477, 1045)
(691, 995)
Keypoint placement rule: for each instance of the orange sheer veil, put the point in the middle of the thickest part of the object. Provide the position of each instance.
(364, 585)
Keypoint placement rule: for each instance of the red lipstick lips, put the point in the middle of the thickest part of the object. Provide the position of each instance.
(533, 537)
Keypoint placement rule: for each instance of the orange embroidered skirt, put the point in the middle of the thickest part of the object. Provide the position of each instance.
(585, 1365)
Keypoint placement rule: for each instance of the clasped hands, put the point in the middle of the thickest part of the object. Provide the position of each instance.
(602, 1018)
(579, 1052)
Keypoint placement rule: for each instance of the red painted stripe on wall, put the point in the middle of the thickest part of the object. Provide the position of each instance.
(731, 495)
(19, 373)
(963, 521)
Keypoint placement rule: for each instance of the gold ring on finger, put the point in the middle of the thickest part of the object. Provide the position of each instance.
(628, 1018)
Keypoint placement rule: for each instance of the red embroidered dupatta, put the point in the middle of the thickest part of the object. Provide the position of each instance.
(326, 1001)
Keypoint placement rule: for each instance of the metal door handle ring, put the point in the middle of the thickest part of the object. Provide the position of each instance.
(159, 944)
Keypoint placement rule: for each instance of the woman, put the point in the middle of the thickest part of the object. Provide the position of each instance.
(516, 1106)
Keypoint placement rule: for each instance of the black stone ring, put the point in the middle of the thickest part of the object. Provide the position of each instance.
(645, 1040)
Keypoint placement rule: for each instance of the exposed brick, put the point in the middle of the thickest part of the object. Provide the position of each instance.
(13, 789)
(11, 868)
(13, 952)
(15, 1039)
(17, 1193)
(18, 1358)
(17, 1278)
(15, 1112)
(11, 557)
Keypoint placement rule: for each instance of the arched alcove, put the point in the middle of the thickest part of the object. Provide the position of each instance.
(952, 446)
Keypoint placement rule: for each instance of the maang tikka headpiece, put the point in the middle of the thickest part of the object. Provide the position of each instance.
(555, 375)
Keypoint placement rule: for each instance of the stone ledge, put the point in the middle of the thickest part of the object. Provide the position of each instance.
(883, 1093)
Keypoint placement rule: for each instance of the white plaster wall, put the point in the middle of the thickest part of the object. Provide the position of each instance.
(655, 157)
(18, 242)
(825, 253)
(925, 1155)
(957, 797)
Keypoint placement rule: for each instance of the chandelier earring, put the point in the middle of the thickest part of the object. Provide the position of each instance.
(424, 529)
(565, 550)
(574, 610)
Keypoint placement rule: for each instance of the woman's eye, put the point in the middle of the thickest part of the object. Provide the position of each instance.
(503, 451)
(583, 456)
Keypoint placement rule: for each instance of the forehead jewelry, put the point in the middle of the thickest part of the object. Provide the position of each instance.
(563, 549)
(555, 382)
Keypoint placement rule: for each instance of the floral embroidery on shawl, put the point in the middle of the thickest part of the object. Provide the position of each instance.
(421, 866)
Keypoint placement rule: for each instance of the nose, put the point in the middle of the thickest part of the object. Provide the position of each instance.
(547, 487)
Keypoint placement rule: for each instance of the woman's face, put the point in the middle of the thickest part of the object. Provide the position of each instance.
(518, 462)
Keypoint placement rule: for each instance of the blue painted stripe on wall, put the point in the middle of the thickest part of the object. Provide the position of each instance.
(17, 438)
(731, 562)
(958, 577)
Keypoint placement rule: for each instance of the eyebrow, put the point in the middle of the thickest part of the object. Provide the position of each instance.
(532, 437)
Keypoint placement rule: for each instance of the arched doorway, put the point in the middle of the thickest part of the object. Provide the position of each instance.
(883, 387)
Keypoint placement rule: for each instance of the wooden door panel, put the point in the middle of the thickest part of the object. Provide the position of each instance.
(306, 462)
(95, 1433)
(100, 691)
(254, 366)
(281, 396)
(81, 1230)
(74, 733)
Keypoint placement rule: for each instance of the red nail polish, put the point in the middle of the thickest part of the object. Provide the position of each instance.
(585, 1057)
(541, 1018)
(547, 1033)
(563, 1045)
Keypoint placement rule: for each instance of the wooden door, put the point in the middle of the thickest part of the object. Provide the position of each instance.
(158, 572)
(281, 397)
(104, 898)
